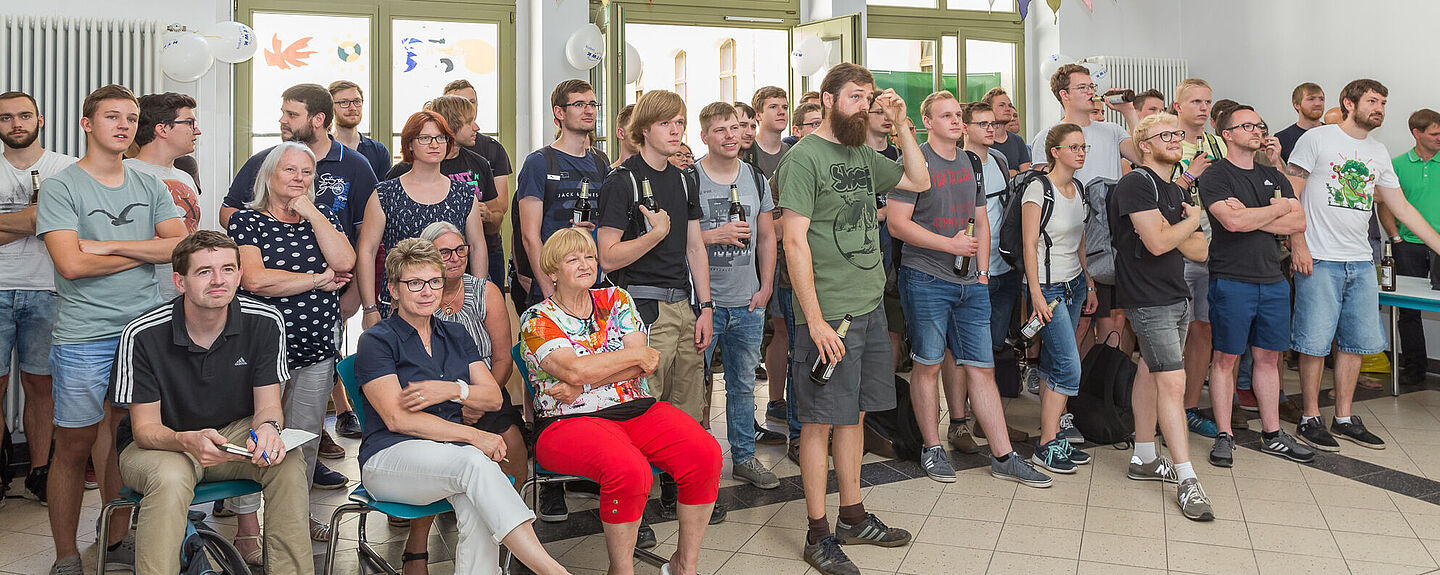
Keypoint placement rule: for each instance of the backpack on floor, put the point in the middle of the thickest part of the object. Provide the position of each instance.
(1102, 409)
(894, 433)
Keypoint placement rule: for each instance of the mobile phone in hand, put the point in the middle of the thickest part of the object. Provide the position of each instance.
(233, 449)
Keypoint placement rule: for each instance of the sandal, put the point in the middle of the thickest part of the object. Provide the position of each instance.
(423, 557)
(255, 557)
(319, 531)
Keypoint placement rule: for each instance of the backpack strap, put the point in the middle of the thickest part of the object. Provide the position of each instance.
(552, 168)
(979, 169)
(1047, 208)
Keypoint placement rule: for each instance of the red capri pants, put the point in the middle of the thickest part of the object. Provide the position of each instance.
(618, 454)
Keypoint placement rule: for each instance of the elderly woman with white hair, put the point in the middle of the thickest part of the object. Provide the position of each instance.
(296, 258)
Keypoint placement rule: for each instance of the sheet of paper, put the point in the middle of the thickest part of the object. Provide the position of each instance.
(292, 437)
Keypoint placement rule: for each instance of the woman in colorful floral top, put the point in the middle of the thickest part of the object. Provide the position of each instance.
(588, 358)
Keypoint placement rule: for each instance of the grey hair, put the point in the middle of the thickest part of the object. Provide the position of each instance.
(267, 168)
(433, 231)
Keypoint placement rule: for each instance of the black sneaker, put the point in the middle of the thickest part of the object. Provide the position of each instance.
(645, 539)
(671, 512)
(347, 425)
(766, 437)
(1283, 445)
(1222, 454)
(325, 478)
(1355, 431)
(552, 503)
(793, 451)
(587, 489)
(760, 373)
(828, 559)
(1312, 431)
(36, 482)
(870, 532)
(775, 412)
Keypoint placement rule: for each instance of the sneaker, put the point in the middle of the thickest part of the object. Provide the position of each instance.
(760, 373)
(218, 509)
(586, 489)
(122, 557)
(328, 448)
(1199, 424)
(1312, 431)
(754, 473)
(825, 556)
(1052, 457)
(1032, 379)
(1222, 454)
(1193, 501)
(90, 481)
(325, 478)
(1355, 431)
(1075, 455)
(1016, 436)
(937, 464)
(1285, 446)
(669, 511)
(645, 539)
(347, 425)
(552, 503)
(36, 482)
(793, 451)
(959, 437)
(1068, 430)
(1289, 412)
(71, 565)
(766, 437)
(1161, 469)
(775, 412)
(870, 532)
(1247, 401)
(1016, 469)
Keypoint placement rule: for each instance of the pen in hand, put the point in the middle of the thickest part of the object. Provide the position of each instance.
(263, 454)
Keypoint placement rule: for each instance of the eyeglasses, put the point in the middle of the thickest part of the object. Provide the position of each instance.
(431, 140)
(356, 103)
(1077, 148)
(417, 285)
(459, 252)
(812, 125)
(988, 125)
(591, 105)
(1251, 127)
(1168, 137)
(191, 122)
(1082, 88)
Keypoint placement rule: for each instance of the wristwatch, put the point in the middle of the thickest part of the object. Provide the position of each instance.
(707, 305)
(985, 273)
(274, 424)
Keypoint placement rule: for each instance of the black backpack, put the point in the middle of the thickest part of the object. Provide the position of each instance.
(1012, 244)
(519, 263)
(894, 433)
(1102, 409)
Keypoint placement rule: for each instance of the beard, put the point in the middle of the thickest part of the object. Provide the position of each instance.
(22, 142)
(851, 130)
(1367, 121)
(346, 123)
(1312, 116)
(302, 133)
(1168, 156)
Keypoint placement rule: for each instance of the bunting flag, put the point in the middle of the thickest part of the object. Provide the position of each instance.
(1054, 8)
(1024, 6)
(1090, 4)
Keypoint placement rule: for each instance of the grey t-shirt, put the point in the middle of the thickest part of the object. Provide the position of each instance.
(769, 162)
(96, 308)
(945, 210)
(733, 276)
(182, 191)
(24, 263)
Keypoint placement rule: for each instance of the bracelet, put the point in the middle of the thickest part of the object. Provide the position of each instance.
(315, 280)
(370, 308)
(272, 423)
(464, 392)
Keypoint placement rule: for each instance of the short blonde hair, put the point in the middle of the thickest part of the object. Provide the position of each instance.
(932, 99)
(1146, 128)
(563, 243)
(653, 106)
(411, 252)
(456, 110)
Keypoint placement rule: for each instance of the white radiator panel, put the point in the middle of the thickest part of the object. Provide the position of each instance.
(1140, 74)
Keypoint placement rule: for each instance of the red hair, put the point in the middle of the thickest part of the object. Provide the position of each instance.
(412, 129)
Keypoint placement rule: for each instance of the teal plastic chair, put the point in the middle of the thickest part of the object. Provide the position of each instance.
(207, 492)
(541, 476)
(361, 502)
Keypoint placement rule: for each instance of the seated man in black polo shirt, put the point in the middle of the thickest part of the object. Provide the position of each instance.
(200, 372)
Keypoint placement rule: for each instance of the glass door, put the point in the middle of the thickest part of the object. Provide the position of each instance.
(985, 62)
(843, 42)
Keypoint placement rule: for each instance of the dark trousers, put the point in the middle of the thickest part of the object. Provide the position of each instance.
(1411, 260)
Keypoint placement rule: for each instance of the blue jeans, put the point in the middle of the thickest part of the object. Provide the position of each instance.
(1004, 292)
(787, 310)
(1340, 302)
(943, 315)
(1059, 353)
(27, 318)
(739, 331)
(81, 373)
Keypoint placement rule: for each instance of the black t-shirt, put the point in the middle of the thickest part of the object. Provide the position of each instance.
(1015, 150)
(664, 265)
(1287, 138)
(1243, 256)
(1143, 279)
(490, 149)
(198, 388)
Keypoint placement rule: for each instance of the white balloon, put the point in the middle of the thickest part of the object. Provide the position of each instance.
(633, 65)
(1101, 76)
(1051, 63)
(231, 42)
(585, 48)
(185, 57)
(809, 56)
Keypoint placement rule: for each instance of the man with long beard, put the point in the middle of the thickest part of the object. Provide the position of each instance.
(28, 282)
(831, 236)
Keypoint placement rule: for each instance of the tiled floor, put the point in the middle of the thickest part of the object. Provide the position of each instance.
(1360, 511)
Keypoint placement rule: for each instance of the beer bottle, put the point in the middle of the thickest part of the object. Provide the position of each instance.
(820, 373)
(647, 197)
(583, 208)
(1387, 270)
(1034, 325)
(737, 211)
(962, 263)
(34, 186)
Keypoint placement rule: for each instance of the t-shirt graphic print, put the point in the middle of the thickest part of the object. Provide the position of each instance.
(1348, 183)
(856, 230)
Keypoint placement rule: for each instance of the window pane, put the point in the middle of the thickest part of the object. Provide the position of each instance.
(303, 48)
(905, 3)
(727, 56)
(427, 55)
(906, 66)
(988, 65)
(727, 89)
(982, 5)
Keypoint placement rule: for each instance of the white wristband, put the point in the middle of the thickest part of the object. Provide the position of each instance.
(464, 392)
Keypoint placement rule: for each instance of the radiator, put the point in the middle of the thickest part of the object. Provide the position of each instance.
(59, 60)
(1140, 74)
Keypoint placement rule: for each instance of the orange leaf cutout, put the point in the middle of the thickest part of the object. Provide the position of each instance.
(292, 55)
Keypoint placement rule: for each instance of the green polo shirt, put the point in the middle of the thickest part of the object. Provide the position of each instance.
(1421, 191)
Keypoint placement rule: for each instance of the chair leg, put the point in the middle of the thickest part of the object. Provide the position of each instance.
(651, 558)
(335, 532)
(102, 532)
(368, 553)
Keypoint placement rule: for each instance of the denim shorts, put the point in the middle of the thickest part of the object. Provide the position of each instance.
(1340, 302)
(1197, 277)
(942, 314)
(27, 320)
(1161, 331)
(1249, 315)
(81, 378)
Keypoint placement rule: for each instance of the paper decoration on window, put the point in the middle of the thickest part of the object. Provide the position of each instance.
(293, 55)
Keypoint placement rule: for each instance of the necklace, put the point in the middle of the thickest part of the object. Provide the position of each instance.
(456, 304)
(566, 309)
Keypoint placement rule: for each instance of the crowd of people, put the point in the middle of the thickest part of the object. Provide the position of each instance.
(160, 351)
